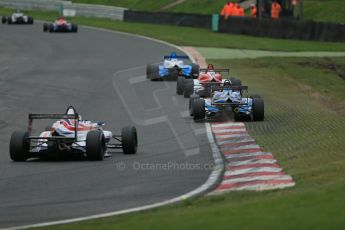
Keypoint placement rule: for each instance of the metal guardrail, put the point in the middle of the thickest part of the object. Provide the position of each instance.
(86, 10)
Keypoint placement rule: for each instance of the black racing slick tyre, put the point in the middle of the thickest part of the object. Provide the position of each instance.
(74, 28)
(154, 72)
(235, 81)
(95, 145)
(3, 20)
(51, 28)
(258, 109)
(45, 27)
(195, 70)
(9, 20)
(199, 109)
(129, 139)
(30, 20)
(19, 146)
(179, 85)
(148, 70)
(191, 103)
(188, 88)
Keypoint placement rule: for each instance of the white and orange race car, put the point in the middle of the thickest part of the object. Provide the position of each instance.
(70, 136)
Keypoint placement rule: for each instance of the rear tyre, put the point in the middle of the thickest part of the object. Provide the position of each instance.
(3, 20)
(129, 140)
(179, 85)
(74, 28)
(195, 70)
(19, 146)
(30, 20)
(237, 117)
(45, 27)
(148, 71)
(258, 109)
(95, 145)
(154, 72)
(199, 109)
(9, 20)
(188, 88)
(51, 28)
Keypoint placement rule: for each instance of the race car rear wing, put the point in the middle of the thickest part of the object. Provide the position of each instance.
(177, 57)
(216, 70)
(54, 117)
(227, 103)
(234, 88)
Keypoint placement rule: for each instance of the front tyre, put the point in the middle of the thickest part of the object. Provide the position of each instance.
(179, 85)
(235, 81)
(129, 140)
(199, 109)
(19, 146)
(95, 145)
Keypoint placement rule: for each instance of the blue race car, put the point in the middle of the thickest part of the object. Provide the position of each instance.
(60, 25)
(171, 68)
(228, 97)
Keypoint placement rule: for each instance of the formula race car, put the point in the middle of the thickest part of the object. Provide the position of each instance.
(60, 25)
(172, 67)
(227, 97)
(70, 136)
(201, 86)
(17, 18)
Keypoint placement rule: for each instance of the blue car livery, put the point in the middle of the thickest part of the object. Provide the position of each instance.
(172, 67)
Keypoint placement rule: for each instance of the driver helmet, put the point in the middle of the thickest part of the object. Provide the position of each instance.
(227, 83)
(173, 55)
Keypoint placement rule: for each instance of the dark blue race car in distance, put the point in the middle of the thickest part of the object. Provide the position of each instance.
(60, 25)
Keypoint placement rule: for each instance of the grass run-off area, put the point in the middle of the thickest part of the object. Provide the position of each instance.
(304, 127)
(318, 10)
(187, 36)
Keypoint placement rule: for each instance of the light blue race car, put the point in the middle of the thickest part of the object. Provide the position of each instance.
(227, 98)
(171, 68)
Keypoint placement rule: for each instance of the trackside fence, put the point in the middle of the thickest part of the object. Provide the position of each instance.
(86, 10)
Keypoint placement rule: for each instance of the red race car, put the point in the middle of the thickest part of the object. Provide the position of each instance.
(207, 77)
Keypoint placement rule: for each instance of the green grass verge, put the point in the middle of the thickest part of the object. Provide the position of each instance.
(318, 10)
(303, 131)
(187, 36)
(321, 10)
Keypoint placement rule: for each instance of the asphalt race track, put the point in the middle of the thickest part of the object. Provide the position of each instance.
(102, 75)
